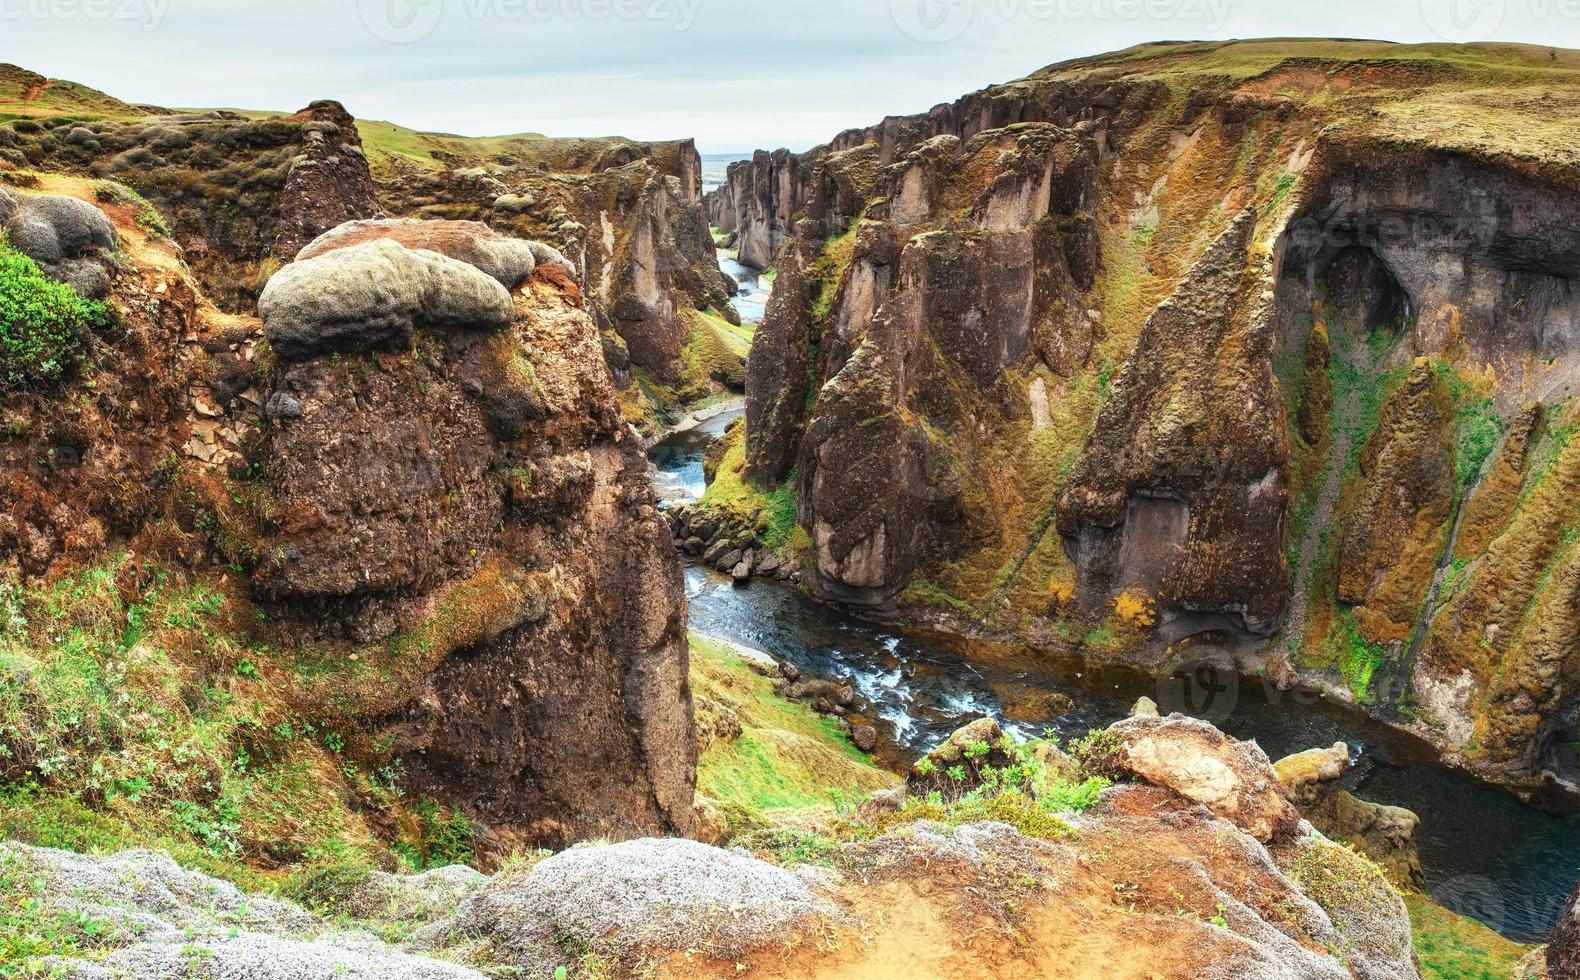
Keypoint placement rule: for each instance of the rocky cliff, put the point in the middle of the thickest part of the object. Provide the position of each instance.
(1258, 353)
(629, 216)
(379, 569)
(243, 192)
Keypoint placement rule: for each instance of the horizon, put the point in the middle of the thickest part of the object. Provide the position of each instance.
(665, 69)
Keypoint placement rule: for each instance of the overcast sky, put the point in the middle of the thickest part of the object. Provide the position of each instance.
(734, 74)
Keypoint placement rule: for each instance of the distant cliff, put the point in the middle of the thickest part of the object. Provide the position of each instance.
(1256, 352)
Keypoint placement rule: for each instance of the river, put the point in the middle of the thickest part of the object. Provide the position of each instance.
(1485, 854)
(753, 297)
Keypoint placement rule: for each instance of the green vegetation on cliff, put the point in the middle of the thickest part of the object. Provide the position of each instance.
(43, 323)
(137, 707)
(1454, 947)
(784, 755)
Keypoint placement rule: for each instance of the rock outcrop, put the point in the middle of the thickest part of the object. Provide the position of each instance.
(68, 238)
(471, 441)
(428, 472)
(1141, 881)
(239, 195)
(1312, 780)
(629, 219)
(1150, 360)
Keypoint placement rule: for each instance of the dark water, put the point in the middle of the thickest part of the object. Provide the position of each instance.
(1484, 853)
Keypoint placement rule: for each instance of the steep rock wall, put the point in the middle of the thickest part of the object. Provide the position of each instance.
(1308, 440)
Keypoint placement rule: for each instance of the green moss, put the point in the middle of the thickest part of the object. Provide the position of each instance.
(787, 756)
(772, 511)
(1477, 425)
(1358, 660)
(44, 325)
(1454, 947)
(827, 271)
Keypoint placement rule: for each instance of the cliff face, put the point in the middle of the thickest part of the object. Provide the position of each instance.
(243, 193)
(630, 218)
(240, 195)
(1260, 355)
(409, 537)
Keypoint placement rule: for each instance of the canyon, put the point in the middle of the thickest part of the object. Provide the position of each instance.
(1252, 354)
(332, 560)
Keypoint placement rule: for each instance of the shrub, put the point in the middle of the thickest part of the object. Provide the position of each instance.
(43, 323)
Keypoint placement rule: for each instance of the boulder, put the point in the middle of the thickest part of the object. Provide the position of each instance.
(1312, 781)
(1233, 779)
(374, 294)
(508, 261)
(864, 737)
(67, 237)
(967, 751)
(1306, 776)
(640, 897)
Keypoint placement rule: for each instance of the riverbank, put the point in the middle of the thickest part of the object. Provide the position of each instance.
(1485, 854)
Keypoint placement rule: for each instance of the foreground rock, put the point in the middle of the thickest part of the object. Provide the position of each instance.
(1233, 779)
(1383, 833)
(632, 901)
(155, 920)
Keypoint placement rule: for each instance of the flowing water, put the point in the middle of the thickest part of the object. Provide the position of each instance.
(1484, 853)
(753, 296)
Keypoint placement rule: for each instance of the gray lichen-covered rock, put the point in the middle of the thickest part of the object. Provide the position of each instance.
(154, 919)
(376, 293)
(409, 899)
(642, 896)
(509, 261)
(67, 237)
(255, 957)
(146, 894)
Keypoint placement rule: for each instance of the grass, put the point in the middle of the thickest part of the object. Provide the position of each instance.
(772, 511)
(1355, 659)
(138, 707)
(1477, 425)
(1454, 947)
(44, 324)
(787, 756)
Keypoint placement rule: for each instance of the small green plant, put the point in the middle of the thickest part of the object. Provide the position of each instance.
(44, 324)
